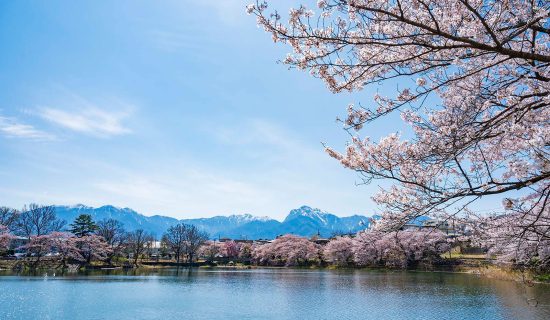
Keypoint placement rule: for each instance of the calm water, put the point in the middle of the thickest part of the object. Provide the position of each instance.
(268, 294)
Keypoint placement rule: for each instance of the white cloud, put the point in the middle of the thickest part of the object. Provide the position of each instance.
(12, 128)
(90, 120)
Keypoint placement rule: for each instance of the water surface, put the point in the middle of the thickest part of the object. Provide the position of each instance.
(267, 294)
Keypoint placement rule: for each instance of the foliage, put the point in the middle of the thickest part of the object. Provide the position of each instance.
(210, 250)
(516, 246)
(474, 88)
(83, 225)
(38, 246)
(339, 251)
(287, 250)
(93, 247)
(401, 249)
(5, 237)
(231, 249)
(67, 247)
(245, 251)
(64, 244)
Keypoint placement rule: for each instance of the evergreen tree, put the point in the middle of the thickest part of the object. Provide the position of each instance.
(83, 225)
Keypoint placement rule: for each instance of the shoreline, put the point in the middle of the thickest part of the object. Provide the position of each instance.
(486, 271)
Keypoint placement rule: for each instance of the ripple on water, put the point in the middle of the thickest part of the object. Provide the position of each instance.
(267, 294)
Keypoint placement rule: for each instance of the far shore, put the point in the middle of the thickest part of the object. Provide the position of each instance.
(480, 268)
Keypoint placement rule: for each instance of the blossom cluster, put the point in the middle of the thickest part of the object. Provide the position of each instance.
(368, 248)
(69, 247)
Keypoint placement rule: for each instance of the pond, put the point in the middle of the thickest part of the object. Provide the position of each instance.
(267, 294)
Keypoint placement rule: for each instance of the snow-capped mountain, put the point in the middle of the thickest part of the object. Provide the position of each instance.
(310, 213)
(304, 221)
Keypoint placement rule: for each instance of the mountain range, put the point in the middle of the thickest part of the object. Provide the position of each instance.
(304, 221)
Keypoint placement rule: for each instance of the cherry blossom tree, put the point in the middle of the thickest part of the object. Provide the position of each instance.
(473, 86)
(5, 237)
(287, 250)
(211, 249)
(93, 247)
(514, 245)
(231, 249)
(368, 248)
(66, 246)
(245, 251)
(37, 247)
(400, 249)
(339, 251)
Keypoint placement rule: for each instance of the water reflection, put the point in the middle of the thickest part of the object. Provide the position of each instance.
(265, 294)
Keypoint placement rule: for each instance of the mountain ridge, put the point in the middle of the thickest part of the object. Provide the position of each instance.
(303, 221)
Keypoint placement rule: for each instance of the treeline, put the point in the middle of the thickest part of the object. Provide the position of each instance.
(403, 249)
(35, 232)
(40, 233)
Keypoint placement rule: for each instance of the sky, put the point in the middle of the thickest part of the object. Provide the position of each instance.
(176, 108)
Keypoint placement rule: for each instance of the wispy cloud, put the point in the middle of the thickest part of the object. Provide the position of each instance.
(183, 191)
(89, 120)
(13, 128)
(257, 135)
(174, 41)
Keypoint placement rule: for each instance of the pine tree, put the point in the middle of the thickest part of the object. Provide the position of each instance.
(83, 225)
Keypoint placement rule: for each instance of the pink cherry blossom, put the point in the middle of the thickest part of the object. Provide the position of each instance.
(93, 247)
(339, 251)
(211, 250)
(65, 245)
(478, 110)
(399, 249)
(231, 249)
(287, 250)
(5, 237)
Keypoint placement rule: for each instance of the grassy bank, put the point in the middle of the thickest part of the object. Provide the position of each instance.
(471, 264)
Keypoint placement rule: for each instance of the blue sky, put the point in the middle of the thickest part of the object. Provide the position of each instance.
(168, 107)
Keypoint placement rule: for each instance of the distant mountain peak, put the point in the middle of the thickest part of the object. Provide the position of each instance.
(247, 217)
(308, 212)
(109, 207)
(79, 206)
